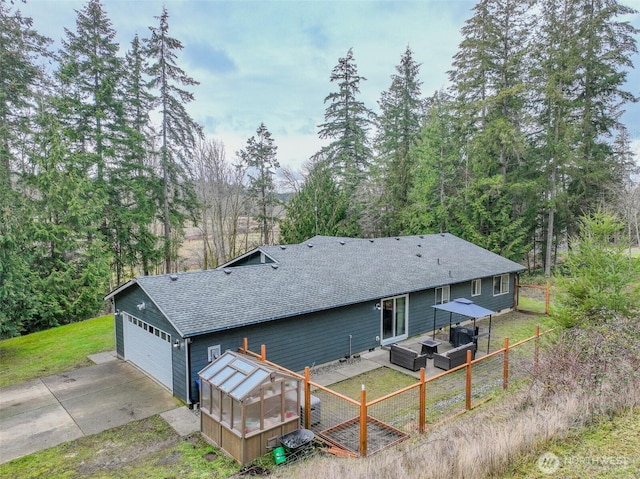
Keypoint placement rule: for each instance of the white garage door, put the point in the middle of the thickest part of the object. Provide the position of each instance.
(149, 348)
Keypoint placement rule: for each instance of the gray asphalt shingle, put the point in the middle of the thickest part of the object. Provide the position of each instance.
(333, 272)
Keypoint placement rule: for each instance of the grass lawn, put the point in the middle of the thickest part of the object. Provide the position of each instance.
(608, 449)
(378, 382)
(148, 448)
(514, 325)
(55, 350)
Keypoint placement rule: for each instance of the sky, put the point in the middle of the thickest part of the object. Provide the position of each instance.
(270, 61)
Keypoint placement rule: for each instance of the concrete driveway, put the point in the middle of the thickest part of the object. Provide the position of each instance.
(46, 412)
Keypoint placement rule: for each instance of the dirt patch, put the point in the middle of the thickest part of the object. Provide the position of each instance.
(210, 456)
(253, 471)
(118, 450)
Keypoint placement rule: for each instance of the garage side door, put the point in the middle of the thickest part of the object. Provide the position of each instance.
(149, 348)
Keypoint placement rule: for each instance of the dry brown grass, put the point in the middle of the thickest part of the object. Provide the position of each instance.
(567, 394)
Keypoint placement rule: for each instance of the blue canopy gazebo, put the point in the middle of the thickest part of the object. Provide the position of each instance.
(464, 307)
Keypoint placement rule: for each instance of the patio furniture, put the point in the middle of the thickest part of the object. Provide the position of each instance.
(454, 357)
(459, 335)
(407, 358)
(430, 347)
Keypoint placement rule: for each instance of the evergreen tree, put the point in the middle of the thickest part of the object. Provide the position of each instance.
(135, 188)
(490, 85)
(399, 122)
(439, 174)
(484, 218)
(89, 74)
(69, 261)
(319, 208)
(598, 277)
(555, 76)
(347, 123)
(259, 156)
(19, 298)
(606, 45)
(20, 47)
(178, 131)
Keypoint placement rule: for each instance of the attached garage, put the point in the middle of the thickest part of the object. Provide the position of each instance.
(149, 348)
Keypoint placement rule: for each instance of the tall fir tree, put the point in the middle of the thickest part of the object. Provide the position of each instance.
(347, 122)
(20, 80)
(439, 173)
(70, 267)
(136, 188)
(606, 44)
(399, 123)
(259, 156)
(89, 73)
(490, 84)
(555, 72)
(178, 131)
(20, 76)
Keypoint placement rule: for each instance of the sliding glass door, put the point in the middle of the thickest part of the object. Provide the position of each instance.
(394, 319)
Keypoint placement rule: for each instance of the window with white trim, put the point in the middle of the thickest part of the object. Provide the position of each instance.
(443, 294)
(476, 287)
(501, 284)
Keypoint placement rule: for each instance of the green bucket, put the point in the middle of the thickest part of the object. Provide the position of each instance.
(278, 455)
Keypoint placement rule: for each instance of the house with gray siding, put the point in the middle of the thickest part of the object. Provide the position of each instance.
(309, 303)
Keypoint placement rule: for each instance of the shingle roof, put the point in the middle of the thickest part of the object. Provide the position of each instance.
(321, 273)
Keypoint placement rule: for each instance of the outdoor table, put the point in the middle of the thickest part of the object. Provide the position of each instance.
(430, 346)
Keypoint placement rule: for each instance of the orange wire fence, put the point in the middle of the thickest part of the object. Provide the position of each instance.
(361, 427)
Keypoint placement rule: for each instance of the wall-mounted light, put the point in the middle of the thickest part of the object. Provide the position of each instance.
(377, 307)
(141, 306)
(176, 344)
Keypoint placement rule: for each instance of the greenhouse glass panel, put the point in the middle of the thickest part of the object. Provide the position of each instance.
(243, 366)
(232, 382)
(206, 396)
(251, 382)
(213, 368)
(222, 376)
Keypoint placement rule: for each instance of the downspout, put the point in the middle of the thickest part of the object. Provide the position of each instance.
(187, 361)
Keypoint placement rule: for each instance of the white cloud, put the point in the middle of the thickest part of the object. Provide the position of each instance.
(270, 61)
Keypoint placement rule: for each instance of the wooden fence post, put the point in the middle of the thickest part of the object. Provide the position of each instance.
(263, 352)
(536, 350)
(245, 345)
(468, 388)
(505, 371)
(363, 422)
(547, 299)
(307, 397)
(423, 401)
